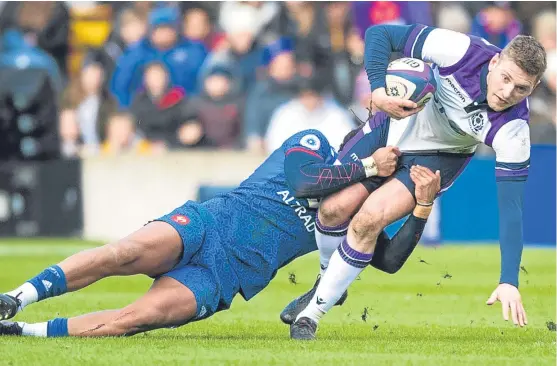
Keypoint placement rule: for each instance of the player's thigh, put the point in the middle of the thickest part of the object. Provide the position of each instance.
(339, 207)
(384, 206)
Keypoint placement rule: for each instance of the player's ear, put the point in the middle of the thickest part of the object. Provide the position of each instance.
(493, 62)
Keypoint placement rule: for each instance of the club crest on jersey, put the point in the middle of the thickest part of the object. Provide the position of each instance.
(311, 142)
(476, 122)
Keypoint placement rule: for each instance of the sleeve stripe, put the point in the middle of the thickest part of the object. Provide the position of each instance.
(420, 41)
(512, 166)
(307, 151)
(511, 173)
(412, 38)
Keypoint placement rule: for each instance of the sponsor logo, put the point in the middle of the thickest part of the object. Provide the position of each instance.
(300, 210)
(202, 312)
(311, 142)
(180, 219)
(47, 285)
(476, 122)
(455, 89)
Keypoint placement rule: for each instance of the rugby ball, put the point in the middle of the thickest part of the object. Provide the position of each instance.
(412, 79)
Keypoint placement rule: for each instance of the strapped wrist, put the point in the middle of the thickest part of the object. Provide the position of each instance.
(370, 166)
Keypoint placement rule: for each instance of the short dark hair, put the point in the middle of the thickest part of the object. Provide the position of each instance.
(528, 53)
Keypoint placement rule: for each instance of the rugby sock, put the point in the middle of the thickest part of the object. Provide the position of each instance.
(328, 239)
(57, 328)
(344, 267)
(50, 282)
(34, 330)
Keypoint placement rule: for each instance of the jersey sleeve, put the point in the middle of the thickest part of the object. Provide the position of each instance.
(440, 46)
(311, 167)
(512, 148)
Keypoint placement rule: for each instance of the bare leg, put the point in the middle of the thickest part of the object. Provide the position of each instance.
(154, 249)
(167, 303)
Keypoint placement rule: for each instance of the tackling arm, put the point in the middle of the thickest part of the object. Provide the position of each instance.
(310, 176)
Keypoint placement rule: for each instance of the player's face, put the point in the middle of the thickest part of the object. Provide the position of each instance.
(507, 84)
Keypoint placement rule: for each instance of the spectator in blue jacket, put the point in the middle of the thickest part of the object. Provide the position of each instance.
(182, 57)
(18, 54)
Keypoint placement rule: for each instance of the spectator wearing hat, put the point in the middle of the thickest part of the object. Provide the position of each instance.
(159, 107)
(243, 54)
(183, 58)
(18, 53)
(267, 95)
(217, 109)
(308, 111)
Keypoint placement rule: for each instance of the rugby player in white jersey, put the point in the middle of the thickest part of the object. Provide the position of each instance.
(481, 97)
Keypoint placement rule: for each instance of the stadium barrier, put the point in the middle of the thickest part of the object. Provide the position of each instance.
(120, 194)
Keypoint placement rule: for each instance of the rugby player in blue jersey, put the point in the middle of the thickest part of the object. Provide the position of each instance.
(202, 254)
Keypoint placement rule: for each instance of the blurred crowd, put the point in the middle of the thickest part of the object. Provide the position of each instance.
(94, 77)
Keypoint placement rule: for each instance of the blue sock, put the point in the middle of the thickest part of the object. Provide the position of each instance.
(57, 328)
(50, 282)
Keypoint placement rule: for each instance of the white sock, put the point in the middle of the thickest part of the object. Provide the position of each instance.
(27, 293)
(345, 266)
(328, 239)
(34, 330)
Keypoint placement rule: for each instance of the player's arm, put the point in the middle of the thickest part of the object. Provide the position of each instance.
(512, 147)
(441, 46)
(311, 173)
(391, 253)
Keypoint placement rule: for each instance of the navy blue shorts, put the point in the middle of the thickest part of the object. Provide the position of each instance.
(204, 266)
(372, 137)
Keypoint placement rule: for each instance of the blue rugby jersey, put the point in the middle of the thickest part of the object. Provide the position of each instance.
(263, 226)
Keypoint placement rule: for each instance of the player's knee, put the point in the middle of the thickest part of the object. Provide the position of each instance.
(367, 224)
(333, 213)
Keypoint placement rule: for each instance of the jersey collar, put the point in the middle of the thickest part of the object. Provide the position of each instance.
(481, 101)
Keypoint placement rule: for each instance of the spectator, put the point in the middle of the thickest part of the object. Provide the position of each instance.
(160, 107)
(454, 16)
(362, 98)
(266, 14)
(496, 24)
(93, 104)
(197, 26)
(68, 129)
(308, 111)
(17, 53)
(121, 137)
(129, 28)
(346, 49)
(368, 13)
(269, 94)
(243, 56)
(182, 57)
(218, 109)
(542, 105)
(306, 26)
(45, 24)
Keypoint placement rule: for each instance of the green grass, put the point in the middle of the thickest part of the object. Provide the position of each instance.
(418, 316)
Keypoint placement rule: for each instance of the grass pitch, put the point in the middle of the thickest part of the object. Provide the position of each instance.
(432, 312)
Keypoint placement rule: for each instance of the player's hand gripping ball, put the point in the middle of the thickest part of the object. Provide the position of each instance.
(411, 79)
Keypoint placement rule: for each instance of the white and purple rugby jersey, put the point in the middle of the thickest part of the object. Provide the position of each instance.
(458, 118)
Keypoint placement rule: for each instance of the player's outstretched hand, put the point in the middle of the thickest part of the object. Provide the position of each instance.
(386, 159)
(427, 183)
(510, 299)
(396, 108)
